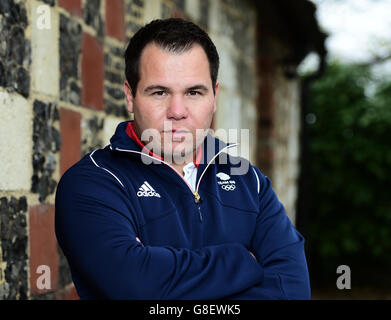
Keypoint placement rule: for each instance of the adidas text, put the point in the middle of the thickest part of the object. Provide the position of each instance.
(146, 190)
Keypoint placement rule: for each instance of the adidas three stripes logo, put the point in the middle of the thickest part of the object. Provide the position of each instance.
(146, 190)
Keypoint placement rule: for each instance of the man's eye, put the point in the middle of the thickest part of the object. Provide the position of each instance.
(159, 93)
(194, 93)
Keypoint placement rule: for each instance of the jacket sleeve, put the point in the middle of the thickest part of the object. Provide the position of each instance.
(279, 249)
(96, 231)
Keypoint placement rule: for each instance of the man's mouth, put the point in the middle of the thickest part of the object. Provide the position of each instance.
(177, 134)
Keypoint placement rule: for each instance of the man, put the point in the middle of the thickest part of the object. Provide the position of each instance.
(159, 213)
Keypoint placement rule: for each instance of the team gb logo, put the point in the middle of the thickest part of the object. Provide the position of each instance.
(225, 182)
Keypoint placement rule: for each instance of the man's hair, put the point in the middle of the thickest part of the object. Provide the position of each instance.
(175, 35)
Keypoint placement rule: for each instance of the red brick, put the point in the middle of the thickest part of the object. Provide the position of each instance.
(265, 132)
(92, 73)
(178, 14)
(43, 246)
(266, 167)
(70, 128)
(266, 160)
(267, 154)
(115, 19)
(68, 293)
(266, 64)
(73, 6)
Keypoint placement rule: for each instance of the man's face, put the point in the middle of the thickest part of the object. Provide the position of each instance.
(175, 97)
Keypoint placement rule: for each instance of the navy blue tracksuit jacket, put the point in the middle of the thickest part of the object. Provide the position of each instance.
(192, 248)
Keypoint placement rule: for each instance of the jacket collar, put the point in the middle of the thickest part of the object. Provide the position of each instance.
(121, 140)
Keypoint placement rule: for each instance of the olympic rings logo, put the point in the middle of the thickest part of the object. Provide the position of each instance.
(228, 187)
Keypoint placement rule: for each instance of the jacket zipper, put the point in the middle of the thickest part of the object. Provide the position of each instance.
(197, 197)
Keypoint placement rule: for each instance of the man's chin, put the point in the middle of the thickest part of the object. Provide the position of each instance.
(178, 155)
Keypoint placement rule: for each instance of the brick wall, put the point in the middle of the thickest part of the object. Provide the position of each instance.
(232, 28)
(61, 97)
(278, 110)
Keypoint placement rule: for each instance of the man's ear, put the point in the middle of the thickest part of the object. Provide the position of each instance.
(129, 96)
(215, 97)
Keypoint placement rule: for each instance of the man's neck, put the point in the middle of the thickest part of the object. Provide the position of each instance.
(179, 167)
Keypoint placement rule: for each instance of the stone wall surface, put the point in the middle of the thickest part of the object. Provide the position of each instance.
(61, 97)
(278, 134)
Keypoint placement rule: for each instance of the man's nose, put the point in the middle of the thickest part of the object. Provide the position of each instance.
(177, 107)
